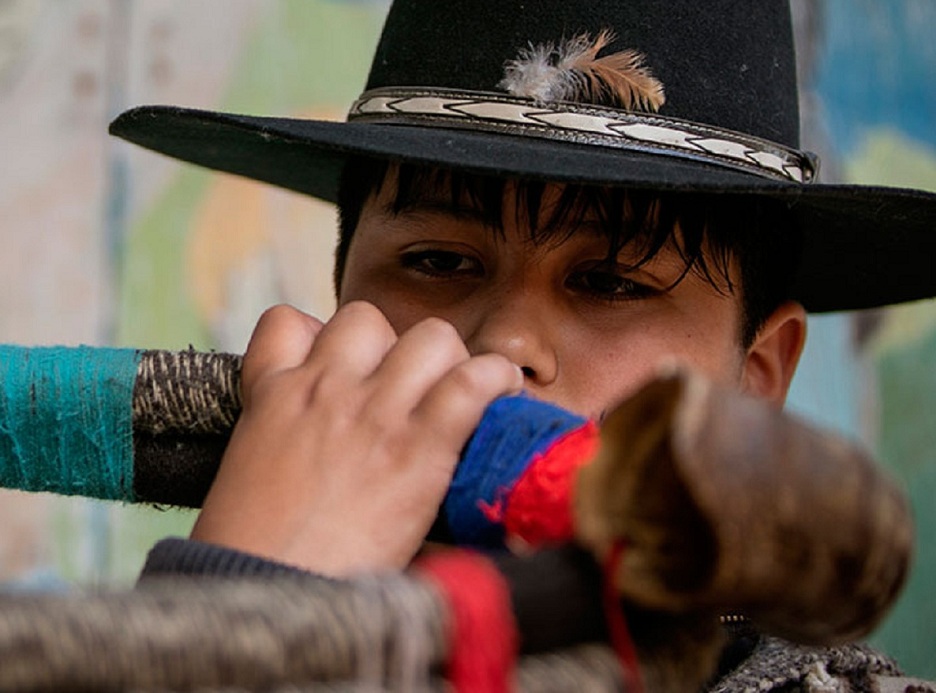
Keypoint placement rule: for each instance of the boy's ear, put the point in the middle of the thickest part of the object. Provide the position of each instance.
(771, 360)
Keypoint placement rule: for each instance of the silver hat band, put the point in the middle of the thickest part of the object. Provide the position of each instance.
(583, 124)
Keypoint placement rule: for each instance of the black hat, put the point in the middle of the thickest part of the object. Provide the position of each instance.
(675, 95)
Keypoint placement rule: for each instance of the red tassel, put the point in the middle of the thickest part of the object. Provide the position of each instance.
(617, 626)
(539, 508)
(483, 638)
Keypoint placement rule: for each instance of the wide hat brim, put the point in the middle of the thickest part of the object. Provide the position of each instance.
(864, 246)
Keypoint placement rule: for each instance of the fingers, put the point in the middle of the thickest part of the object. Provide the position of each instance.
(426, 374)
(353, 343)
(423, 355)
(453, 407)
(281, 340)
(358, 344)
(348, 440)
(429, 376)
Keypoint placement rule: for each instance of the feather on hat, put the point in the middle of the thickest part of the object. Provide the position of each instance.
(590, 110)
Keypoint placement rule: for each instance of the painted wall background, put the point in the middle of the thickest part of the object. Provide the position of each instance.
(870, 109)
(107, 244)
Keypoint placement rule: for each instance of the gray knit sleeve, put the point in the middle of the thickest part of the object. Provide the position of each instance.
(186, 557)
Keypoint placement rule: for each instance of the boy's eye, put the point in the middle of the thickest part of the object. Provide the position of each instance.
(440, 262)
(608, 283)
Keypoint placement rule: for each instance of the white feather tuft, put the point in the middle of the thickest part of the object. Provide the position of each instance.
(533, 74)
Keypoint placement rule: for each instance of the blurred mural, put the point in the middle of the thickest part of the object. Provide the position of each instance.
(870, 109)
(106, 244)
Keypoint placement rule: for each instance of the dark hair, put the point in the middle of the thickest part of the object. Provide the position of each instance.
(760, 233)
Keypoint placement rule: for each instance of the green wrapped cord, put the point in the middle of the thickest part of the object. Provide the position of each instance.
(66, 420)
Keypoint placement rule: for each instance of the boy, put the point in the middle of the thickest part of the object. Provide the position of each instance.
(555, 201)
(552, 316)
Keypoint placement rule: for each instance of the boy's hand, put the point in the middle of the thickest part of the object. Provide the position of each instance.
(348, 438)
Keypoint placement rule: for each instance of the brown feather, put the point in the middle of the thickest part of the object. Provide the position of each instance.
(621, 78)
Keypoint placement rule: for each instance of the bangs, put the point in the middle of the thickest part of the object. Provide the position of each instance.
(643, 222)
(710, 233)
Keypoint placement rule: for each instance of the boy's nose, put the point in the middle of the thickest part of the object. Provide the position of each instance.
(521, 333)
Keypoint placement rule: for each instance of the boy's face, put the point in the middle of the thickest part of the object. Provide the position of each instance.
(586, 333)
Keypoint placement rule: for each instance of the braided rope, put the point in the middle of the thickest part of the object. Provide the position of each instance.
(184, 406)
(186, 392)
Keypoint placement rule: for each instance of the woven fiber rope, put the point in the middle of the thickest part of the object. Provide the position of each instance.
(204, 634)
(378, 633)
